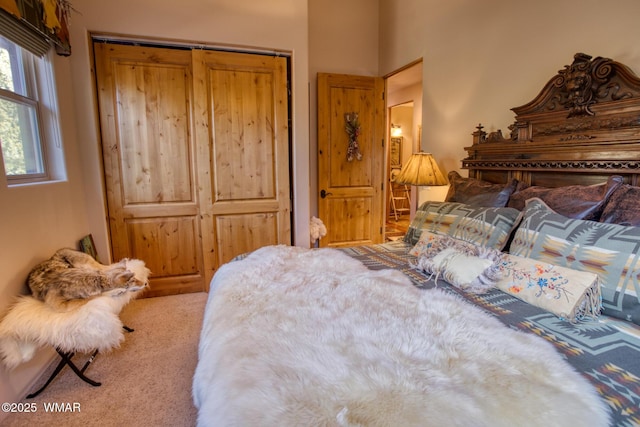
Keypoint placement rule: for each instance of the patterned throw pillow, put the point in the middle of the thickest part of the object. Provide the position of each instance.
(467, 266)
(570, 294)
(488, 227)
(611, 251)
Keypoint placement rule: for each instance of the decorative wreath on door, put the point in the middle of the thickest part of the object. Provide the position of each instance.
(352, 126)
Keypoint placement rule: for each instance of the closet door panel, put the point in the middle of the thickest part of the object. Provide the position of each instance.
(145, 99)
(242, 106)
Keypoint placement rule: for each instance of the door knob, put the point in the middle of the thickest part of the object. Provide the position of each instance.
(324, 194)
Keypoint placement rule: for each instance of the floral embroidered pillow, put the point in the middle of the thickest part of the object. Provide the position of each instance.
(570, 294)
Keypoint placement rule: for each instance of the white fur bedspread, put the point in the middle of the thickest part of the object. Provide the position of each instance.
(296, 337)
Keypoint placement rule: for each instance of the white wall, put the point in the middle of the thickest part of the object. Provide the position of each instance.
(482, 58)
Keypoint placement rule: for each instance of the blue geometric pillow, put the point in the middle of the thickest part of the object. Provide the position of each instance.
(489, 227)
(611, 251)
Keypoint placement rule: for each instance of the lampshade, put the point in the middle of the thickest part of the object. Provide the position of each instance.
(421, 169)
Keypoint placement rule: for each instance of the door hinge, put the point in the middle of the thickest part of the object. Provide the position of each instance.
(382, 142)
(380, 230)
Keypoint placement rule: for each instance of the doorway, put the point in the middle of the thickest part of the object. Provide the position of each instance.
(401, 145)
(404, 125)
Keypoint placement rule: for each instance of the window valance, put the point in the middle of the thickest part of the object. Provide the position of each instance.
(36, 25)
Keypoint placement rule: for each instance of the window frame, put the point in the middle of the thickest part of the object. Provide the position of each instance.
(40, 87)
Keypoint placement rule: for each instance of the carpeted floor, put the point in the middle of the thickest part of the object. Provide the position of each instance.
(146, 382)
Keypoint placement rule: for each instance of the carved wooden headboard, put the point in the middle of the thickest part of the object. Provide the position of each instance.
(581, 128)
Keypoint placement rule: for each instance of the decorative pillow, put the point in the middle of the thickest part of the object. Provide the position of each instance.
(570, 294)
(467, 266)
(573, 201)
(611, 251)
(475, 192)
(431, 244)
(623, 207)
(482, 226)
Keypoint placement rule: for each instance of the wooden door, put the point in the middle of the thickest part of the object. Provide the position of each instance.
(144, 96)
(243, 152)
(351, 198)
(189, 156)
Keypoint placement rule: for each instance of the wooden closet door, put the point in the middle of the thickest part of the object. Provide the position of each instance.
(243, 168)
(145, 98)
(196, 157)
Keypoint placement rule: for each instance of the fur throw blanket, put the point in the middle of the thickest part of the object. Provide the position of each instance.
(79, 325)
(294, 336)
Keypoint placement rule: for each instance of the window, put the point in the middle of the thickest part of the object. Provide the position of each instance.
(26, 114)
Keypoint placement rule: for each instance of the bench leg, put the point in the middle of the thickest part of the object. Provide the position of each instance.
(65, 359)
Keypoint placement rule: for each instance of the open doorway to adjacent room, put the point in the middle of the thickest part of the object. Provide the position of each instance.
(404, 124)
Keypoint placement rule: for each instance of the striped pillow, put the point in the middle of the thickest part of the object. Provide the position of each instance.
(482, 226)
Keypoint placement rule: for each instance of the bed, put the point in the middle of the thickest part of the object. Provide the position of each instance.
(513, 302)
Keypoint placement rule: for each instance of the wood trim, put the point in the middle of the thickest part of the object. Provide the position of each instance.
(186, 44)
